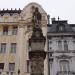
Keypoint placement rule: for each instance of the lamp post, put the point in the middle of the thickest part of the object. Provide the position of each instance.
(37, 53)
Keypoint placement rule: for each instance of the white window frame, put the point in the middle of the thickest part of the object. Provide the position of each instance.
(3, 48)
(65, 45)
(11, 69)
(64, 65)
(13, 48)
(14, 30)
(60, 47)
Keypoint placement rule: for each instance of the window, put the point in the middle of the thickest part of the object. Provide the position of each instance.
(50, 48)
(74, 44)
(50, 44)
(65, 46)
(3, 48)
(11, 66)
(60, 45)
(5, 30)
(14, 31)
(51, 62)
(28, 66)
(13, 48)
(1, 66)
(61, 28)
(64, 65)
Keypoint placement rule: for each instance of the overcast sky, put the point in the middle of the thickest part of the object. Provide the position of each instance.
(65, 9)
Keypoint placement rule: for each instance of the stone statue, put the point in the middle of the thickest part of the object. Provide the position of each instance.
(36, 17)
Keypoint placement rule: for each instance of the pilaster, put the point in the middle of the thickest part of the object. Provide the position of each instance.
(20, 46)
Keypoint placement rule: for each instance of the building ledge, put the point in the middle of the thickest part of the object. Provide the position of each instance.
(65, 72)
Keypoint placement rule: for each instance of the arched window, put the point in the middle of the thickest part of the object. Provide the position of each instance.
(64, 65)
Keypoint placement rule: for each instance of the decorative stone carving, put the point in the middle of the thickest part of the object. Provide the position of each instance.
(63, 56)
(36, 18)
(37, 66)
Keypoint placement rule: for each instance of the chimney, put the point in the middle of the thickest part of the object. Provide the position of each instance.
(53, 20)
(48, 17)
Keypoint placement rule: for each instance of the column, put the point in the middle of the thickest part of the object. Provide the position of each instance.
(6, 63)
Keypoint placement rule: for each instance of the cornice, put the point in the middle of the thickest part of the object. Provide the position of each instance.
(63, 56)
(8, 23)
(11, 12)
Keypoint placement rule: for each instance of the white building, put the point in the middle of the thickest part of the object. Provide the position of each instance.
(61, 48)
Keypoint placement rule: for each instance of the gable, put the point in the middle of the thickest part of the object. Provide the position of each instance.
(27, 11)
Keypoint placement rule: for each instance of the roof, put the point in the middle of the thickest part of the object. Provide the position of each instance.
(54, 27)
(2, 12)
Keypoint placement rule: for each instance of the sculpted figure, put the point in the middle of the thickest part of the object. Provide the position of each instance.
(36, 17)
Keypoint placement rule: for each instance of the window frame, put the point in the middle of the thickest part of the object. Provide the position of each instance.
(3, 48)
(14, 30)
(5, 30)
(28, 66)
(1, 68)
(65, 45)
(60, 47)
(64, 65)
(13, 47)
(11, 69)
(62, 26)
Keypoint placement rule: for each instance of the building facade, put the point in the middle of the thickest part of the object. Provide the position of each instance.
(15, 31)
(61, 48)
(16, 28)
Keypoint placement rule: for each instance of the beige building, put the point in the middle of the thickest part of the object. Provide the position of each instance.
(15, 31)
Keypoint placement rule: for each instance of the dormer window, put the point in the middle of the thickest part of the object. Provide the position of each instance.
(60, 27)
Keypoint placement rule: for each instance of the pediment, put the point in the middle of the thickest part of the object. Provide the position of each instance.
(64, 56)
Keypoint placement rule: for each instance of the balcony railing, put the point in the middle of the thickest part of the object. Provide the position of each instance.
(65, 73)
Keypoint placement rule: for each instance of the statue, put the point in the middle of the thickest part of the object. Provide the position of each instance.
(36, 18)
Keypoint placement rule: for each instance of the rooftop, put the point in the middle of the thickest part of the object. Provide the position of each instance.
(2, 12)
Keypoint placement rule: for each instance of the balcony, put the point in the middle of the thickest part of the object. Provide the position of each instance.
(65, 73)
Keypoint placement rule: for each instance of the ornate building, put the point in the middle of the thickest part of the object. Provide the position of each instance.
(61, 48)
(16, 28)
(28, 46)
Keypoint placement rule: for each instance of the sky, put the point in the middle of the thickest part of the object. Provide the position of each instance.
(65, 9)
